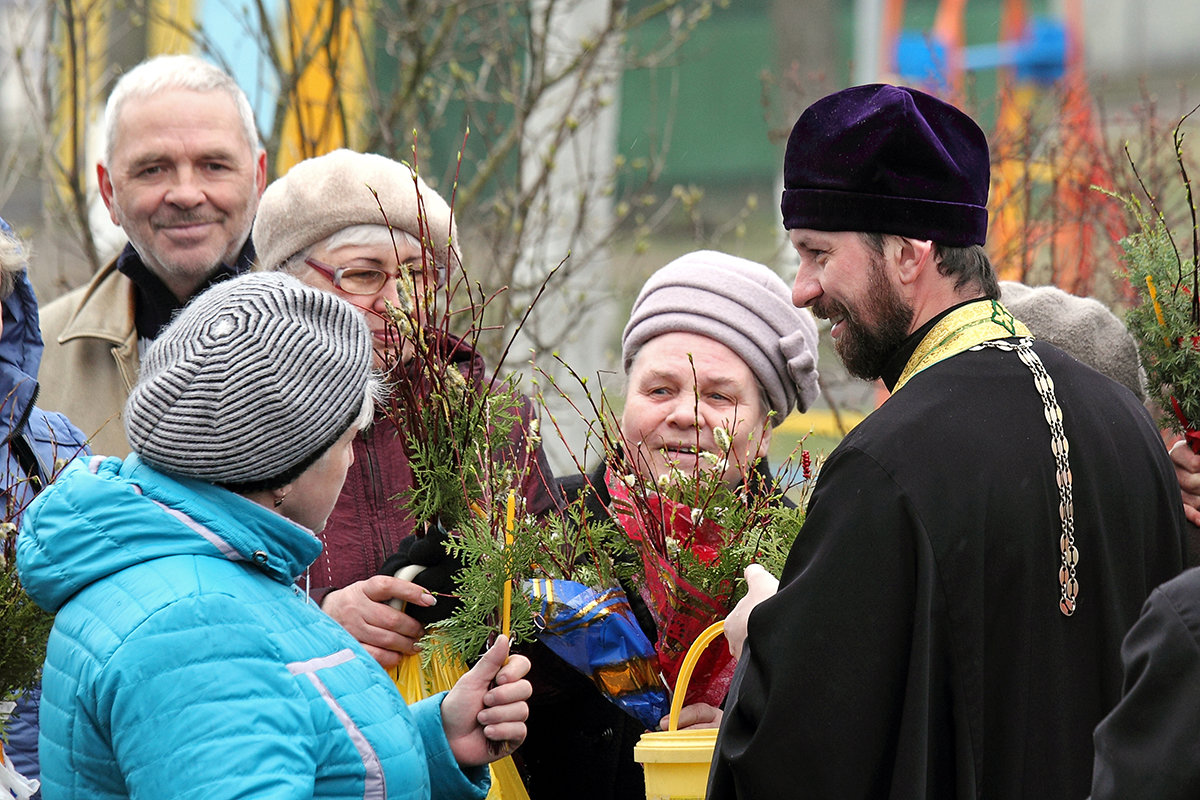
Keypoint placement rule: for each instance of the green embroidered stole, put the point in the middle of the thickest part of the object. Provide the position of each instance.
(960, 330)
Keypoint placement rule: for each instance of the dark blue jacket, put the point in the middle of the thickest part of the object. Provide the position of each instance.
(36, 445)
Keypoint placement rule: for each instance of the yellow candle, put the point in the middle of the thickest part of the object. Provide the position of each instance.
(506, 605)
(1157, 308)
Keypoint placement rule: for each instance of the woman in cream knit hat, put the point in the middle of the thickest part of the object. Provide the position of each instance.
(354, 224)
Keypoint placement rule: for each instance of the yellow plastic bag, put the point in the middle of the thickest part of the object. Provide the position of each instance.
(417, 684)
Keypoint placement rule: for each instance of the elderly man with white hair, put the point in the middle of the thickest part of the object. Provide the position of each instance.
(181, 174)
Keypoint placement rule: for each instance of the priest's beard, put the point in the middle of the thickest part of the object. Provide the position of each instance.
(873, 331)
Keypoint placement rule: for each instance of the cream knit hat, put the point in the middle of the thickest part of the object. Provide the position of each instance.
(320, 196)
(251, 383)
(741, 304)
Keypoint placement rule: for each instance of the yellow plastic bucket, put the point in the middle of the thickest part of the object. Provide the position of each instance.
(676, 762)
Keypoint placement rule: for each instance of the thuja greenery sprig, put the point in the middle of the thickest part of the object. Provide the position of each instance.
(453, 422)
(454, 465)
(1168, 340)
(24, 627)
(472, 442)
(1166, 321)
(571, 545)
(756, 525)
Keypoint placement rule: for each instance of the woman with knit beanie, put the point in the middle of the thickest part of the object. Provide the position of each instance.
(350, 224)
(184, 661)
(715, 356)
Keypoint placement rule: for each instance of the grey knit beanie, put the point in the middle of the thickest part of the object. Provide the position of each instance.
(744, 306)
(252, 381)
(320, 196)
(1082, 327)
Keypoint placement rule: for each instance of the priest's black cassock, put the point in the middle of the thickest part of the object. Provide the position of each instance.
(916, 647)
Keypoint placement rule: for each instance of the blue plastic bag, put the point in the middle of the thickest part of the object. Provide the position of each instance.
(595, 632)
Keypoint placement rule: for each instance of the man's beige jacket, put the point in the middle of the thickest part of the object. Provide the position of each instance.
(90, 362)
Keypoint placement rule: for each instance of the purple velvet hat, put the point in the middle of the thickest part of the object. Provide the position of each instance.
(887, 159)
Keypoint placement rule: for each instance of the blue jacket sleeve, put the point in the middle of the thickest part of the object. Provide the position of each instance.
(22, 734)
(448, 779)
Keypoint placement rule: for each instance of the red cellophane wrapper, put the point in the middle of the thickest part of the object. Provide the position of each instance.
(1190, 434)
(680, 610)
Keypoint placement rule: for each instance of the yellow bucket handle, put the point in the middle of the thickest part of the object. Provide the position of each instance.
(689, 663)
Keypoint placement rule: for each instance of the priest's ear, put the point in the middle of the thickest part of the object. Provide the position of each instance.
(913, 257)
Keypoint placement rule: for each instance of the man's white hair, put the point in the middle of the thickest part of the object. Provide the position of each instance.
(163, 73)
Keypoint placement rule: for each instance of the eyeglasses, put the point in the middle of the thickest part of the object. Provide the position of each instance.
(365, 280)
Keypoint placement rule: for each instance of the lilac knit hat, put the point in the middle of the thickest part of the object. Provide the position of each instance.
(887, 159)
(744, 306)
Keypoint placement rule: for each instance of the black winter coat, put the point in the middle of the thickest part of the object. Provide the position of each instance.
(1148, 748)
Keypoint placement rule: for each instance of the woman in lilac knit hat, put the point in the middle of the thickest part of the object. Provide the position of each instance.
(715, 357)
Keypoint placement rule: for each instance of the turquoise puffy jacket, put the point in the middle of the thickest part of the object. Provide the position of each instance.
(185, 663)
